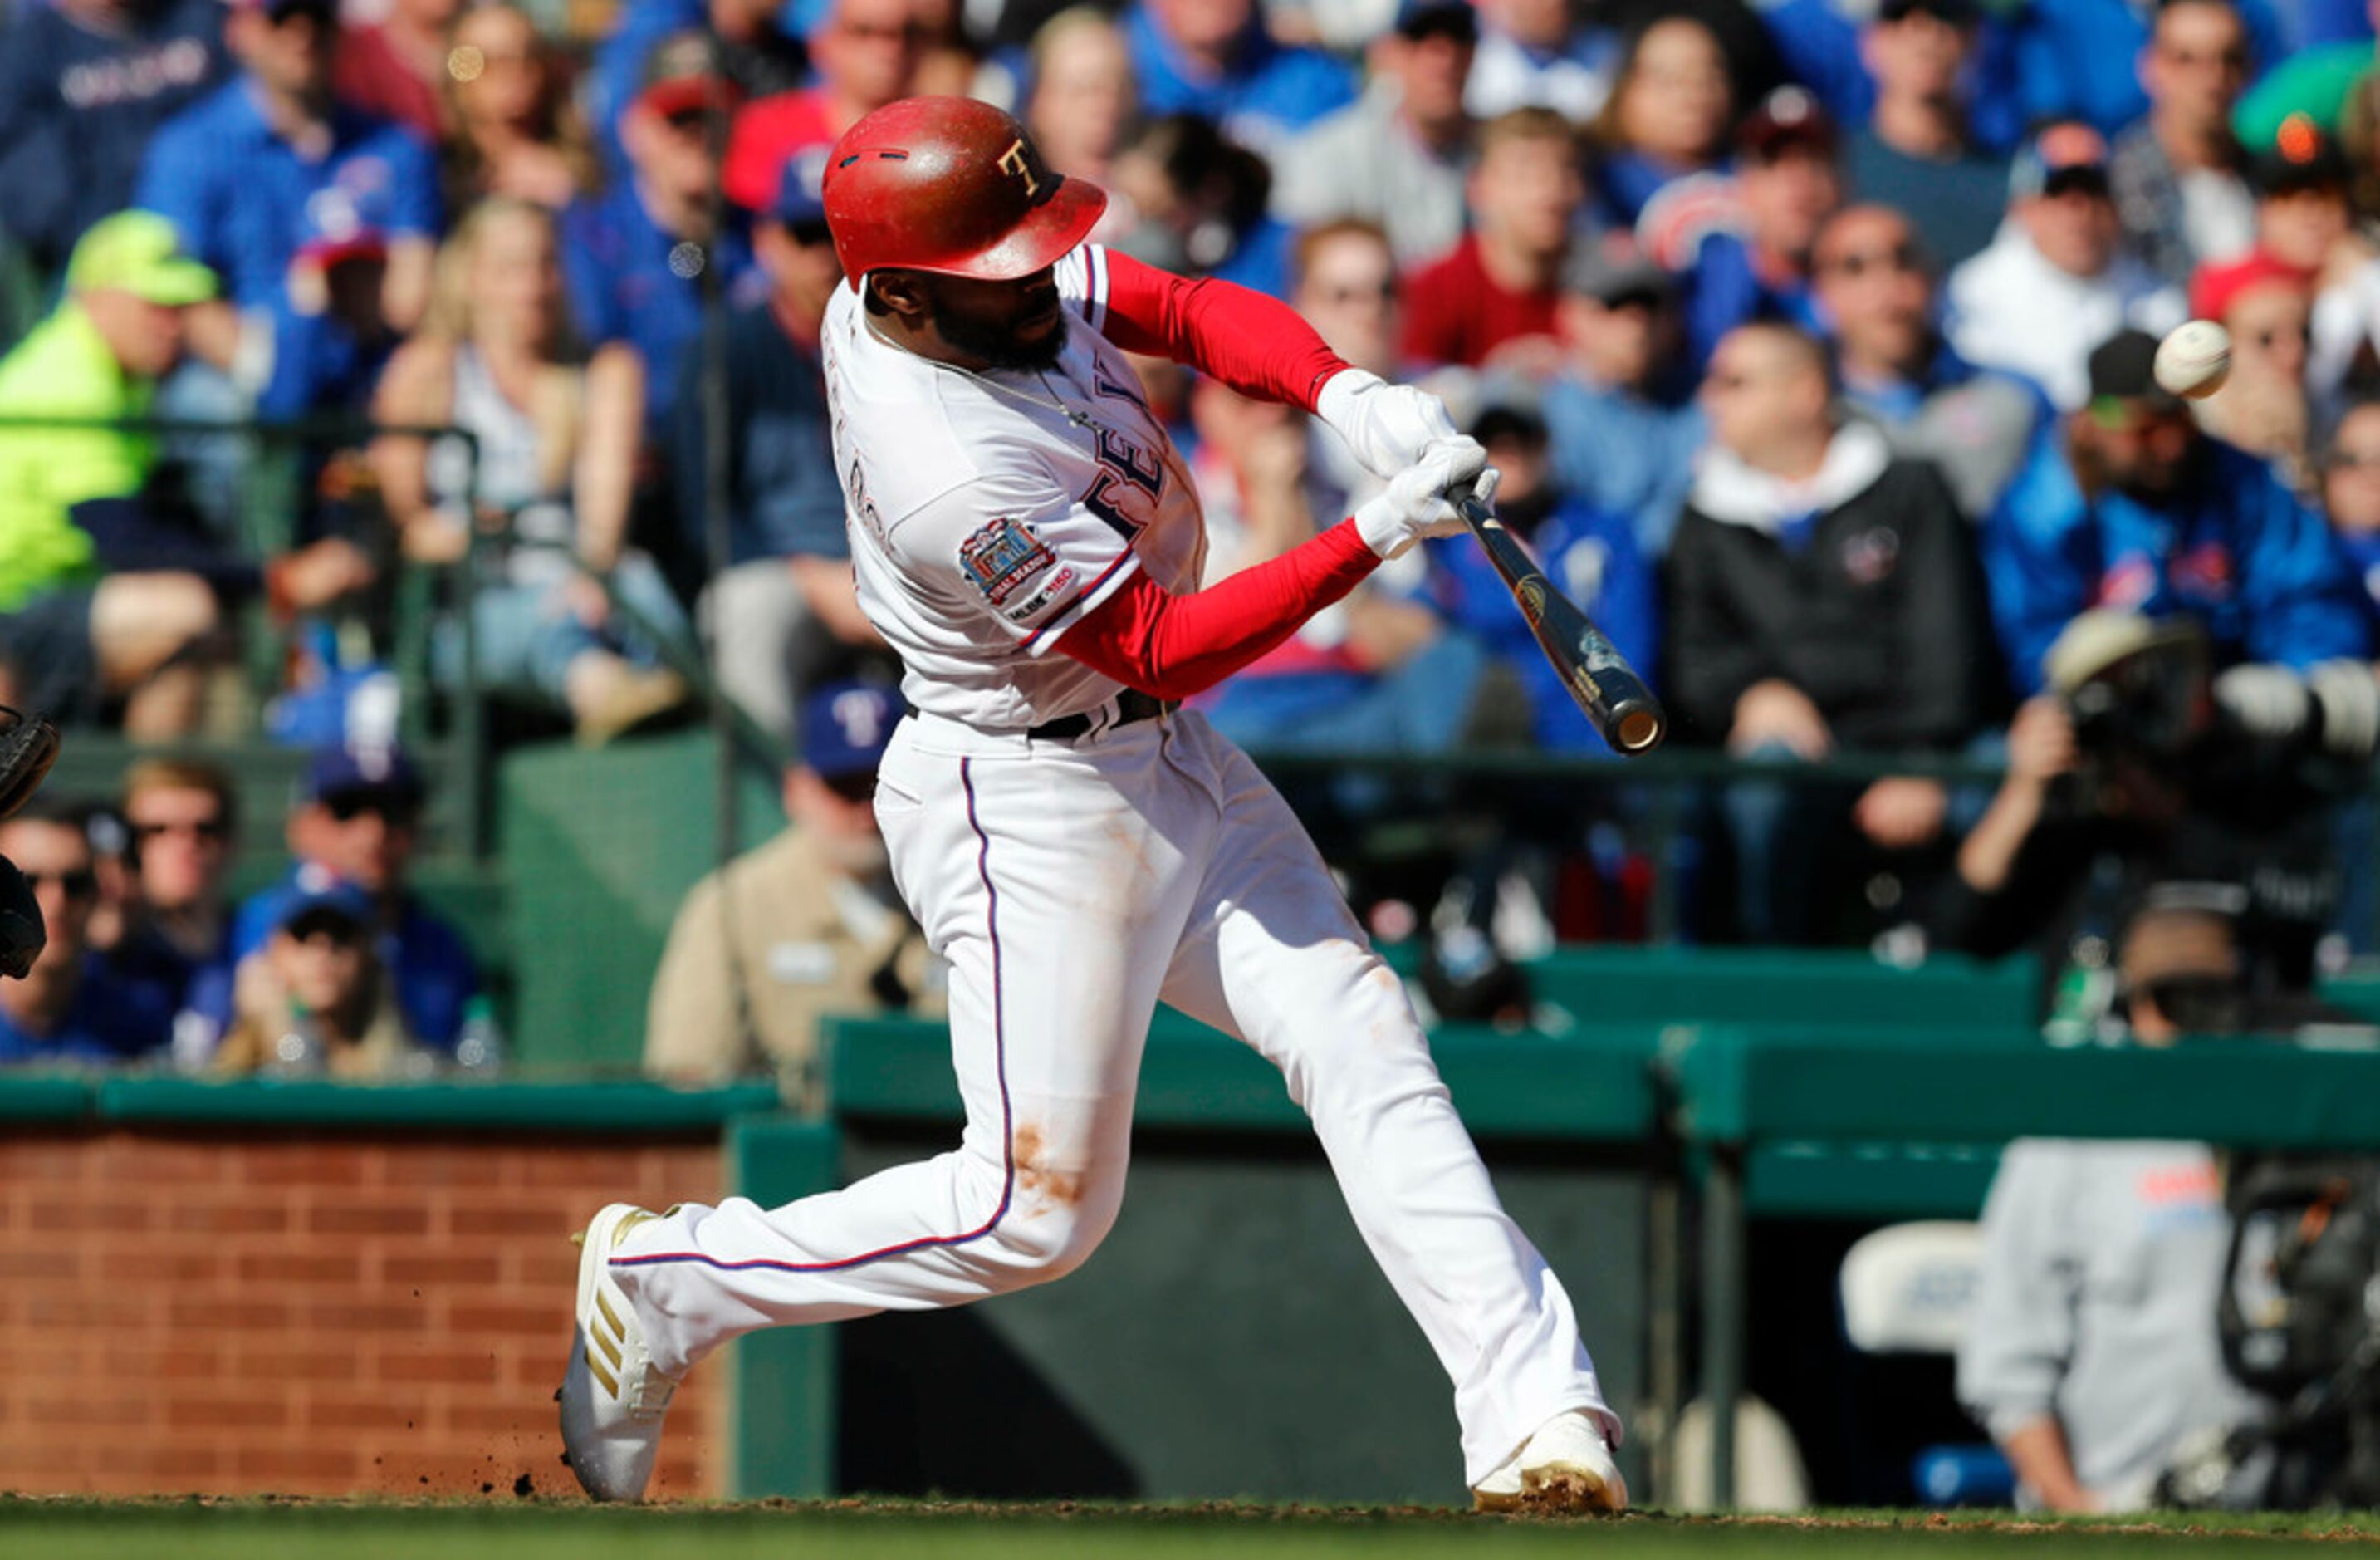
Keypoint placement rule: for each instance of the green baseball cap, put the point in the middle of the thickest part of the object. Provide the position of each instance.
(138, 252)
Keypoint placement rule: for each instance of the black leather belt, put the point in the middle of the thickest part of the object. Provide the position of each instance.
(1131, 705)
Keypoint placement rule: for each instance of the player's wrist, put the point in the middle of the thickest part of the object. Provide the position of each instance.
(1335, 403)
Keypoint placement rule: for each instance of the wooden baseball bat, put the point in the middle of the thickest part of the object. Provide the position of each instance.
(1592, 668)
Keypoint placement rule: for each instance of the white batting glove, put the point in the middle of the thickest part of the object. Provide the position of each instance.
(1387, 425)
(1416, 503)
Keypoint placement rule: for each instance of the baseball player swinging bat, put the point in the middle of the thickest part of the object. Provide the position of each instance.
(1592, 668)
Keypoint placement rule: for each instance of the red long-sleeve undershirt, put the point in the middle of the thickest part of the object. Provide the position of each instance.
(1171, 646)
(1259, 345)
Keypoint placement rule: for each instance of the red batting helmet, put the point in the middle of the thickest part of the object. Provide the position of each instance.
(953, 186)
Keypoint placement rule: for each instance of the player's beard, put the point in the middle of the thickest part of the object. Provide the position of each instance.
(997, 345)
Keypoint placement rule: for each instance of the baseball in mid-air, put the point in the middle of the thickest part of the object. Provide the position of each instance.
(2194, 358)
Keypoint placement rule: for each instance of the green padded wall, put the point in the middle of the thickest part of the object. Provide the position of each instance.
(597, 849)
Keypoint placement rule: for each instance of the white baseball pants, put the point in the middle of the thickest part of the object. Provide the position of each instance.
(1072, 887)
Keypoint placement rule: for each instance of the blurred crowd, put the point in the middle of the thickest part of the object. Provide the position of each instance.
(1813, 339)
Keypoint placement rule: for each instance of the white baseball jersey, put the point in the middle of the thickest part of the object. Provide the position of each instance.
(988, 512)
(1071, 883)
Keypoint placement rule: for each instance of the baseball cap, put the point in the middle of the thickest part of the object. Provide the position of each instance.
(1958, 13)
(679, 78)
(2067, 155)
(337, 230)
(1788, 118)
(1445, 18)
(277, 9)
(138, 252)
(800, 201)
(2096, 644)
(2302, 157)
(846, 726)
(1611, 273)
(324, 904)
(2214, 289)
(357, 770)
(2123, 368)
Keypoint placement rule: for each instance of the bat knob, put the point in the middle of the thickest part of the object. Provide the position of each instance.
(1640, 729)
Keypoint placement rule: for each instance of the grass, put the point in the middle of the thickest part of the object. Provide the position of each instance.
(272, 1530)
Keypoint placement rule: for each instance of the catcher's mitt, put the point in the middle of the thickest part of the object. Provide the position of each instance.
(29, 745)
(22, 933)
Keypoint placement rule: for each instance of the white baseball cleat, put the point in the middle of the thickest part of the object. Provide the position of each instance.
(1564, 1469)
(612, 1397)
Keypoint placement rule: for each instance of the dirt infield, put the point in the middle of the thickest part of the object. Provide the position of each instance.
(531, 1526)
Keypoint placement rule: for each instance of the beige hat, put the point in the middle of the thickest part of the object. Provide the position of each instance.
(2096, 642)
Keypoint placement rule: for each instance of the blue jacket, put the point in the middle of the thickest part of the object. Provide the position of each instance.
(240, 195)
(78, 109)
(1592, 558)
(1270, 88)
(2235, 549)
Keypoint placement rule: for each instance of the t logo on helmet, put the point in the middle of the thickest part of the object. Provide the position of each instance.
(1016, 160)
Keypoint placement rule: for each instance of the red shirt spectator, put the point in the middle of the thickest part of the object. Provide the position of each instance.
(868, 55)
(392, 70)
(1455, 312)
(1500, 287)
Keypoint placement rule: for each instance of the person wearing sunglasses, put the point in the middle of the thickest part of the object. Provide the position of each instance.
(179, 818)
(1875, 288)
(1823, 595)
(807, 925)
(2092, 1357)
(357, 822)
(2264, 408)
(315, 1000)
(71, 1009)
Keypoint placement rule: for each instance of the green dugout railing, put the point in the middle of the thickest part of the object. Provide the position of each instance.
(1741, 1092)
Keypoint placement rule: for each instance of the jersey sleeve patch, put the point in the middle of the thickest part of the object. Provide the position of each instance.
(1013, 569)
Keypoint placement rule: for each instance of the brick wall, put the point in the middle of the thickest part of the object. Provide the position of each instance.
(189, 1313)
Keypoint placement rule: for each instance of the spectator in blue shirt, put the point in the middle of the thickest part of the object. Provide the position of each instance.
(70, 1009)
(180, 815)
(759, 50)
(1928, 145)
(1757, 267)
(1215, 59)
(1589, 553)
(1625, 428)
(1825, 46)
(331, 332)
(632, 257)
(242, 175)
(2134, 509)
(782, 614)
(356, 823)
(83, 86)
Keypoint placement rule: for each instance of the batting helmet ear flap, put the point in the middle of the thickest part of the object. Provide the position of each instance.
(952, 186)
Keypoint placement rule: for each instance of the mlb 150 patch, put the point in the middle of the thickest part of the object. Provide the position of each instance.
(1002, 556)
